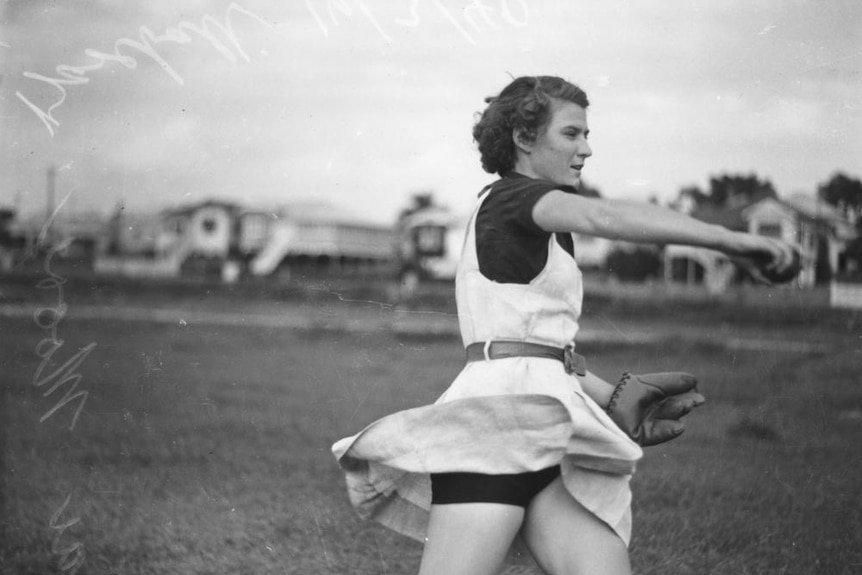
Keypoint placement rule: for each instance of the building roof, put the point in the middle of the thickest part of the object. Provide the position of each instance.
(315, 211)
(807, 207)
(814, 208)
(78, 224)
(433, 216)
(818, 213)
(193, 207)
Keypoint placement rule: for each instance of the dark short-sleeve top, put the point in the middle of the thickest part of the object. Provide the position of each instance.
(510, 246)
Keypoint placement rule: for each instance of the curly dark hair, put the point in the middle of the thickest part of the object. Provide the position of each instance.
(525, 105)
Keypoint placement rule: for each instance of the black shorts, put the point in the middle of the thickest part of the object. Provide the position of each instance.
(511, 489)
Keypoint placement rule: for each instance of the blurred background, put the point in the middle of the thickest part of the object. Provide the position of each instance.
(229, 230)
(245, 131)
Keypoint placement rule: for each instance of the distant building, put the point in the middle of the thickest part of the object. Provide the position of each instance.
(133, 234)
(11, 243)
(816, 227)
(202, 236)
(207, 229)
(223, 238)
(74, 239)
(194, 239)
(429, 241)
(312, 237)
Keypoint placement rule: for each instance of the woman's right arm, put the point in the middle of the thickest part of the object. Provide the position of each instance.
(558, 211)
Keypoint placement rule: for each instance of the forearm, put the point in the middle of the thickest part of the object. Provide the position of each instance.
(596, 388)
(639, 222)
(631, 221)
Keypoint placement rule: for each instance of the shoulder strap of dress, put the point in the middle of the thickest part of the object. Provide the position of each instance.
(470, 232)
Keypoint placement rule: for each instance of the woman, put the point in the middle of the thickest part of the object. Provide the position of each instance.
(525, 444)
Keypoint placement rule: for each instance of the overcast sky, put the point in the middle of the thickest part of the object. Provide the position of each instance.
(364, 102)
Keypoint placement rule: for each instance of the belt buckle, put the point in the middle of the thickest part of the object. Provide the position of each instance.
(574, 363)
(486, 350)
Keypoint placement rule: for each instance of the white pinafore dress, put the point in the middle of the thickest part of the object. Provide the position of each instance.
(498, 416)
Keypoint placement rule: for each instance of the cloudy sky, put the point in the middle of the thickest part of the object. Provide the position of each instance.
(364, 102)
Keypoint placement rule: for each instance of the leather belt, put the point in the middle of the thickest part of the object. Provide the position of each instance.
(573, 362)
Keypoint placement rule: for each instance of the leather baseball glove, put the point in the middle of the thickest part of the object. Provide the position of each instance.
(649, 407)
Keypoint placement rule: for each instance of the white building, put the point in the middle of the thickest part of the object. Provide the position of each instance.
(223, 238)
(75, 237)
(429, 245)
(312, 235)
(817, 228)
(207, 229)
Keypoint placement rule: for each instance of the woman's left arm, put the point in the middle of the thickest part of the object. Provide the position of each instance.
(596, 388)
(649, 407)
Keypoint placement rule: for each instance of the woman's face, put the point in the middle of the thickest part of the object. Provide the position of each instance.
(560, 150)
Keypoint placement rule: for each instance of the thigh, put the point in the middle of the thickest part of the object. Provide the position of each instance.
(566, 539)
(469, 538)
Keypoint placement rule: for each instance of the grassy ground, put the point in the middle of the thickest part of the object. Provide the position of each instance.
(205, 450)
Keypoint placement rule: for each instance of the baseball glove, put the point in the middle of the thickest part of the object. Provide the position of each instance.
(649, 407)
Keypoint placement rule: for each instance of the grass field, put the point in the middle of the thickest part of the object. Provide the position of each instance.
(205, 450)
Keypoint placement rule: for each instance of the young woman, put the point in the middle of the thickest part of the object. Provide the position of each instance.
(526, 444)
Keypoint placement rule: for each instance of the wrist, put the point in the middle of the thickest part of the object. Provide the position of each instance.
(616, 391)
(604, 395)
(733, 243)
(737, 243)
(597, 389)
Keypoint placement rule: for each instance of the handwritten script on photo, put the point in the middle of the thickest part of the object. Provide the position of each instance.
(209, 29)
(49, 318)
(468, 20)
(473, 18)
(71, 557)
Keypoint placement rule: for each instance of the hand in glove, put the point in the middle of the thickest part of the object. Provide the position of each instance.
(649, 407)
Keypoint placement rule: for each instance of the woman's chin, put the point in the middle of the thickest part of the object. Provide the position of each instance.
(573, 180)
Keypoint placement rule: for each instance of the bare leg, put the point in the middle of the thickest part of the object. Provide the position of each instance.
(566, 539)
(469, 538)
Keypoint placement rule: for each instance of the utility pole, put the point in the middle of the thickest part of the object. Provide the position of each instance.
(49, 200)
(49, 191)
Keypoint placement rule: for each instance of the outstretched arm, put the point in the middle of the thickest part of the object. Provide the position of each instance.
(630, 221)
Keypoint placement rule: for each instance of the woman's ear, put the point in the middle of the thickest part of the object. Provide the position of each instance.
(522, 142)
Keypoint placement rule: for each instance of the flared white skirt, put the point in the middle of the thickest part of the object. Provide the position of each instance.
(500, 416)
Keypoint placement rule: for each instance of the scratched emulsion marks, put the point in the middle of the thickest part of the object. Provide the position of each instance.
(48, 412)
